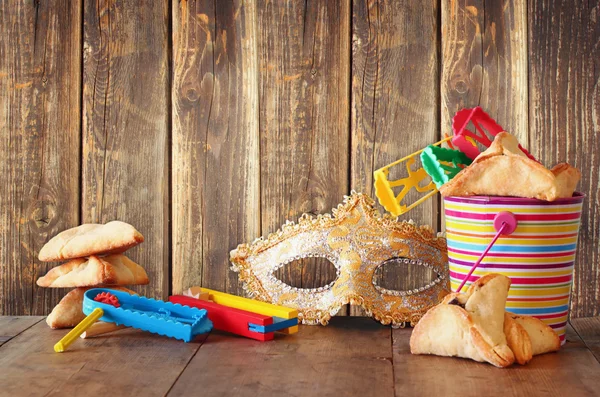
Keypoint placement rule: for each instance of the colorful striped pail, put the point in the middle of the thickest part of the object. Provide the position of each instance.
(538, 256)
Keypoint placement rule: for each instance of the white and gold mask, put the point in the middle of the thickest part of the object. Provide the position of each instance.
(356, 240)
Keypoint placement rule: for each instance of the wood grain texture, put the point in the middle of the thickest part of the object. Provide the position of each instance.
(128, 362)
(484, 61)
(571, 371)
(275, 108)
(125, 126)
(13, 326)
(588, 329)
(394, 101)
(215, 158)
(40, 57)
(304, 72)
(351, 356)
(564, 58)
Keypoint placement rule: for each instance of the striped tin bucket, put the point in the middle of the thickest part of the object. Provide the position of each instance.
(538, 256)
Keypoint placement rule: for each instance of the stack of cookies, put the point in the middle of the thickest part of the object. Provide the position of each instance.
(95, 259)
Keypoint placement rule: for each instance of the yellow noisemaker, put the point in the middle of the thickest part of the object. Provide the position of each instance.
(385, 190)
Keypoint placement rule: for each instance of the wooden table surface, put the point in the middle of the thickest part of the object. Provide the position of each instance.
(351, 356)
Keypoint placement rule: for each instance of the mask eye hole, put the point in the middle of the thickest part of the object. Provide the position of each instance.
(310, 273)
(405, 276)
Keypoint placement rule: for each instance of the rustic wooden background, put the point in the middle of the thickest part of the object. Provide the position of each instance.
(209, 123)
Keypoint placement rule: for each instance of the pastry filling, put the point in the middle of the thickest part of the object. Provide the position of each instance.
(456, 302)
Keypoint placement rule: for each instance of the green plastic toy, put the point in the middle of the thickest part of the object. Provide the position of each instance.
(443, 164)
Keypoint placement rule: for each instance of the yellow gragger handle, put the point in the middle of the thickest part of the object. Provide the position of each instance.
(383, 186)
(87, 322)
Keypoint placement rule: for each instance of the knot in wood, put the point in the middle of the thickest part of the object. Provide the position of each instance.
(43, 214)
(461, 87)
(191, 94)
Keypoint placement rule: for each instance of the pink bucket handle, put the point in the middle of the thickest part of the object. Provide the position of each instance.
(505, 222)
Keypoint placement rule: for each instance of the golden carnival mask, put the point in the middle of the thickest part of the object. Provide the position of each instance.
(356, 240)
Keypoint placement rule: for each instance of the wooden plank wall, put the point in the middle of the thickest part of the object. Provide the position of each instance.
(40, 140)
(207, 124)
(125, 125)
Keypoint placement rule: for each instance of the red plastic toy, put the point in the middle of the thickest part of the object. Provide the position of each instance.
(483, 123)
(108, 298)
(229, 319)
